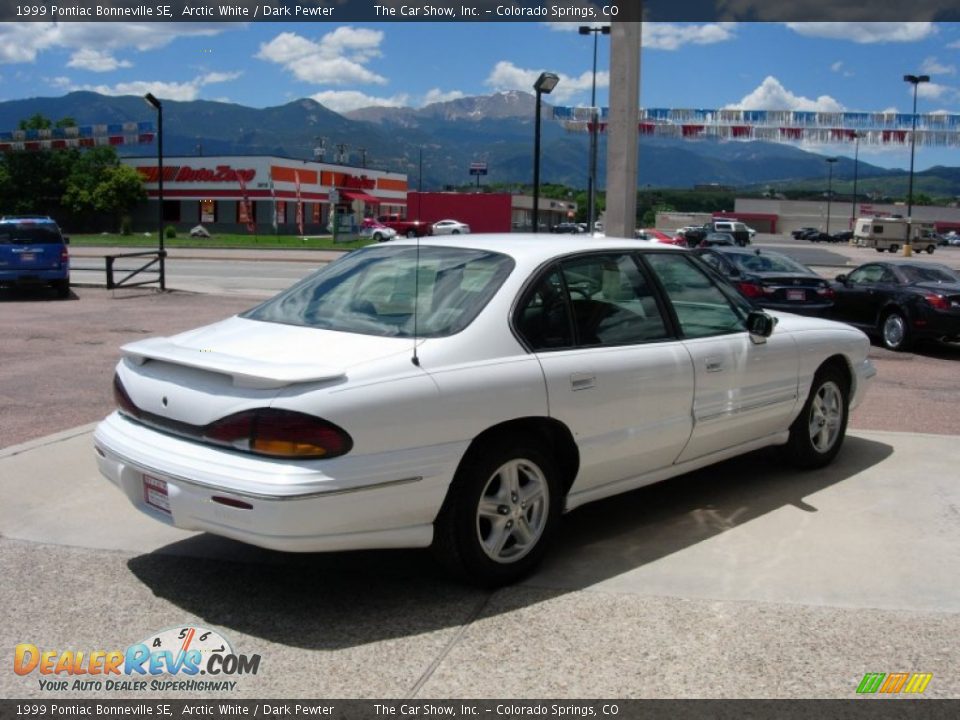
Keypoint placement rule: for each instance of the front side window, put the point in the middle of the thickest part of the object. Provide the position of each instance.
(867, 275)
(376, 290)
(702, 308)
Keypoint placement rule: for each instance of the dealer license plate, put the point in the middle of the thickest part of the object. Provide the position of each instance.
(28, 257)
(796, 295)
(155, 493)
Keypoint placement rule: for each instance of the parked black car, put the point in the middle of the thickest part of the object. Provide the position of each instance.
(817, 236)
(800, 232)
(771, 280)
(571, 228)
(900, 302)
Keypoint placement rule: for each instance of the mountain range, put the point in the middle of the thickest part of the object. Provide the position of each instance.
(434, 145)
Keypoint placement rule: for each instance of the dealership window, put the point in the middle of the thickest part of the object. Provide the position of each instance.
(242, 218)
(171, 211)
(208, 211)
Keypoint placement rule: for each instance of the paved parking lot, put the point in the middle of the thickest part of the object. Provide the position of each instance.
(743, 580)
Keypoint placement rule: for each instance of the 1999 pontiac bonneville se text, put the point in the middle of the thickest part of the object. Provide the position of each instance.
(464, 393)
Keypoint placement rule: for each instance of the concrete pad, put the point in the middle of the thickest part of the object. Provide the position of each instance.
(878, 528)
(52, 492)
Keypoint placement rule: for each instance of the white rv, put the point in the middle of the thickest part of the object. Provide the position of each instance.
(890, 233)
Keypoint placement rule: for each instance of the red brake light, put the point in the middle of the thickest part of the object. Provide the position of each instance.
(64, 256)
(124, 403)
(279, 433)
(750, 290)
(827, 292)
(938, 302)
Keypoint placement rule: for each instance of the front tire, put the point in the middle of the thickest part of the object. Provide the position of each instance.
(499, 515)
(817, 434)
(411, 233)
(895, 331)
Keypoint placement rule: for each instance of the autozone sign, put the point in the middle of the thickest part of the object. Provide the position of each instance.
(187, 174)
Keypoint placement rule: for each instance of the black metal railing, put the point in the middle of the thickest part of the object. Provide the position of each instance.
(156, 266)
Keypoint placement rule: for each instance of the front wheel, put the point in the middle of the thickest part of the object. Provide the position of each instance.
(930, 249)
(500, 512)
(411, 233)
(895, 331)
(818, 432)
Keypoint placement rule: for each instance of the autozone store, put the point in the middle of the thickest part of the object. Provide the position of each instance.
(262, 194)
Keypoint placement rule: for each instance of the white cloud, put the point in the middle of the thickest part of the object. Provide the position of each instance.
(772, 95)
(669, 36)
(871, 32)
(436, 95)
(931, 66)
(22, 42)
(337, 58)
(189, 90)
(346, 100)
(96, 61)
(507, 76)
(932, 91)
(840, 68)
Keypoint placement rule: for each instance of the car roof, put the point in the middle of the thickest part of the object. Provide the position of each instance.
(536, 248)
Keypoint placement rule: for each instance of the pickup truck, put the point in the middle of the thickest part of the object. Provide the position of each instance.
(407, 228)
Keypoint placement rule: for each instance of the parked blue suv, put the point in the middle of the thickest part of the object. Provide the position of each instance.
(33, 251)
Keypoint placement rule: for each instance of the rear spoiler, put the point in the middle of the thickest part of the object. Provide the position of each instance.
(245, 372)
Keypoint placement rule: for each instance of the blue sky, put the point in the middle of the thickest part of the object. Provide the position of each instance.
(803, 66)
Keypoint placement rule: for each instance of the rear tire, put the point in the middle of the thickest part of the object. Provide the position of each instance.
(411, 233)
(895, 331)
(499, 515)
(894, 249)
(62, 288)
(817, 434)
(930, 249)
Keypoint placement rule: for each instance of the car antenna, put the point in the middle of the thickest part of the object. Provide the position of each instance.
(416, 302)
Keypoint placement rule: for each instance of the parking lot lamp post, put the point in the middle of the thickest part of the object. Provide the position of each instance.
(543, 86)
(914, 80)
(161, 253)
(830, 162)
(594, 122)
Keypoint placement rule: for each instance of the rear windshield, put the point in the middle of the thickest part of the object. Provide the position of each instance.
(29, 233)
(917, 274)
(767, 263)
(372, 291)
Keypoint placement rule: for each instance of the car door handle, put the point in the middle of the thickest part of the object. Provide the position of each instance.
(582, 381)
(714, 364)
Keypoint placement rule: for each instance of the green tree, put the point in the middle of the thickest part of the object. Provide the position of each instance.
(98, 183)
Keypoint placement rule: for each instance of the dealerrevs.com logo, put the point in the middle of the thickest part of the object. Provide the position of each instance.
(176, 659)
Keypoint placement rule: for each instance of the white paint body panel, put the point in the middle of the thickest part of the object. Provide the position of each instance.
(638, 414)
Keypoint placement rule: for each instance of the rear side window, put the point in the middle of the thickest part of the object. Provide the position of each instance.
(30, 233)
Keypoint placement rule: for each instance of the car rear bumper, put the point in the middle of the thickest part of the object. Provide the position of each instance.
(368, 501)
(33, 277)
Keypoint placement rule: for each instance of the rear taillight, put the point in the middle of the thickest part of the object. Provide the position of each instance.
(64, 256)
(262, 431)
(826, 292)
(124, 403)
(750, 290)
(938, 302)
(279, 433)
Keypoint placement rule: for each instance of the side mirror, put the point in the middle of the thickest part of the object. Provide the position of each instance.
(66, 239)
(760, 325)
(841, 278)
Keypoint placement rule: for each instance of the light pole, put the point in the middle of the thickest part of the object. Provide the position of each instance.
(543, 86)
(594, 122)
(914, 80)
(161, 253)
(856, 165)
(830, 162)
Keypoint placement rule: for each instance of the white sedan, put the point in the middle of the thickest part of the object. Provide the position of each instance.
(464, 394)
(450, 227)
